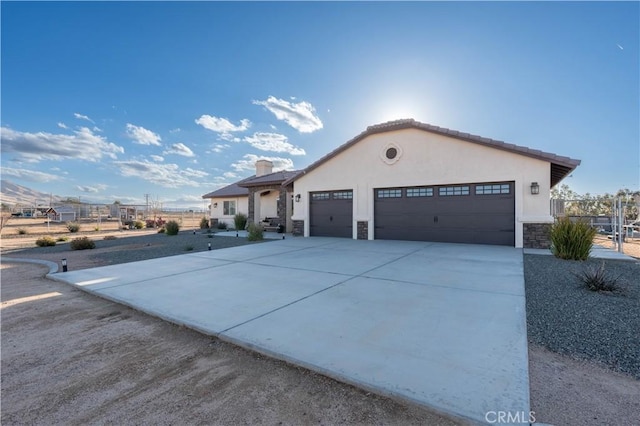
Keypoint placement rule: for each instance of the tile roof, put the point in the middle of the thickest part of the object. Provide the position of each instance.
(240, 188)
(560, 166)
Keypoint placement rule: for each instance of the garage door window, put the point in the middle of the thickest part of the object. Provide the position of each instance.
(344, 195)
(320, 196)
(419, 192)
(453, 190)
(501, 188)
(389, 193)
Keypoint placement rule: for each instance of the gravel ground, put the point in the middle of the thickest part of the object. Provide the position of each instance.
(568, 319)
(133, 249)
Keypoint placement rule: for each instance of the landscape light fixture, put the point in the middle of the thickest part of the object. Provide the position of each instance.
(64, 265)
(297, 198)
(209, 246)
(535, 188)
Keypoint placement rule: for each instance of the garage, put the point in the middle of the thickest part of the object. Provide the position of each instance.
(478, 213)
(331, 214)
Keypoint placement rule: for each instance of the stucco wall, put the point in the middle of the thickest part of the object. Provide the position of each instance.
(425, 159)
(242, 206)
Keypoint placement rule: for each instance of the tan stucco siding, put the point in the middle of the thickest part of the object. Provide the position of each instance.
(242, 206)
(425, 159)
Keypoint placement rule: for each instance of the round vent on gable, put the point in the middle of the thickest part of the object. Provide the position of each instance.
(391, 153)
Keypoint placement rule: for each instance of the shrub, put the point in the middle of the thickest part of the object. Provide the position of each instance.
(572, 240)
(110, 237)
(22, 231)
(82, 244)
(255, 232)
(204, 223)
(97, 228)
(45, 242)
(188, 248)
(172, 227)
(62, 239)
(161, 230)
(240, 221)
(73, 226)
(222, 225)
(155, 223)
(597, 279)
(138, 224)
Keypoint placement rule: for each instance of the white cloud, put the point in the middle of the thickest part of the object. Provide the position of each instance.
(142, 136)
(222, 125)
(35, 147)
(62, 125)
(273, 142)
(230, 175)
(97, 129)
(92, 189)
(301, 116)
(176, 130)
(229, 137)
(167, 175)
(249, 163)
(82, 117)
(220, 147)
(180, 149)
(30, 175)
(157, 158)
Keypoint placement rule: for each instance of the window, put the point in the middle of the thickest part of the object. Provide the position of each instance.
(391, 153)
(343, 195)
(500, 188)
(320, 196)
(446, 191)
(389, 193)
(419, 192)
(229, 208)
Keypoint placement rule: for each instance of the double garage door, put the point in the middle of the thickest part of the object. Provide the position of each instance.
(480, 213)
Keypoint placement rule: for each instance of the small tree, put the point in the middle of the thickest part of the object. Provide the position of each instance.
(172, 227)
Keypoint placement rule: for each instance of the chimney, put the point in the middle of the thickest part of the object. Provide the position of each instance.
(263, 167)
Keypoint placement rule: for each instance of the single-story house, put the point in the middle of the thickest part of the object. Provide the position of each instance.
(262, 197)
(61, 214)
(407, 180)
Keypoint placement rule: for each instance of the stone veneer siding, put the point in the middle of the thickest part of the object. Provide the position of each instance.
(298, 228)
(282, 203)
(363, 230)
(537, 235)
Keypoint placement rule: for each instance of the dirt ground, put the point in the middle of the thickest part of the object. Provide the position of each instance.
(72, 358)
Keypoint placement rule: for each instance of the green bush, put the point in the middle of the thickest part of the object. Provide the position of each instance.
(204, 223)
(62, 239)
(597, 279)
(138, 224)
(255, 232)
(188, 248)
(45, 242)
(22, 231)
(572, 240)
(73, 226)
(82, 243)
(110, 237)
(240, 221)
(161, 230)
(172, 227)
(222, 225)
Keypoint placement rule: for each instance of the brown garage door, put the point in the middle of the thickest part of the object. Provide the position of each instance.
(479, 213)
(331, 214)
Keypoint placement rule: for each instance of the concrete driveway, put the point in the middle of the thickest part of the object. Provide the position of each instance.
(442, 325)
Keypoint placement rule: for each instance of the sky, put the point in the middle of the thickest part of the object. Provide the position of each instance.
(112, 101)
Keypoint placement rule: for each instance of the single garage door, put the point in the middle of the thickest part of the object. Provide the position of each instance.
(479, 213)
(331, 214)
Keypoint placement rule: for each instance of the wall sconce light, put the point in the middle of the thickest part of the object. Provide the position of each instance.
(215, 205)
(297, 198)
(535, 188)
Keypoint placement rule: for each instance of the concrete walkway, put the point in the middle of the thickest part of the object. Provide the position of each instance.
(597, 252)
(442, 325)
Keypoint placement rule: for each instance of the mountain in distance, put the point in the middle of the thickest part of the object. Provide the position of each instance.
(13, 194)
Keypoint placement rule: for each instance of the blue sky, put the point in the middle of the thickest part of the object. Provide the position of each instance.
(111, 101)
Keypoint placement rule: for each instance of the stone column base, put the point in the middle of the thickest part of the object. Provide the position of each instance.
(537, 235)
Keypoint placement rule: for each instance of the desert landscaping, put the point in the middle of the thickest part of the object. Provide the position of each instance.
(117, 364)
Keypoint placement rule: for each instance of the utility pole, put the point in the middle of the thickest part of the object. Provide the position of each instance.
(146, 211)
